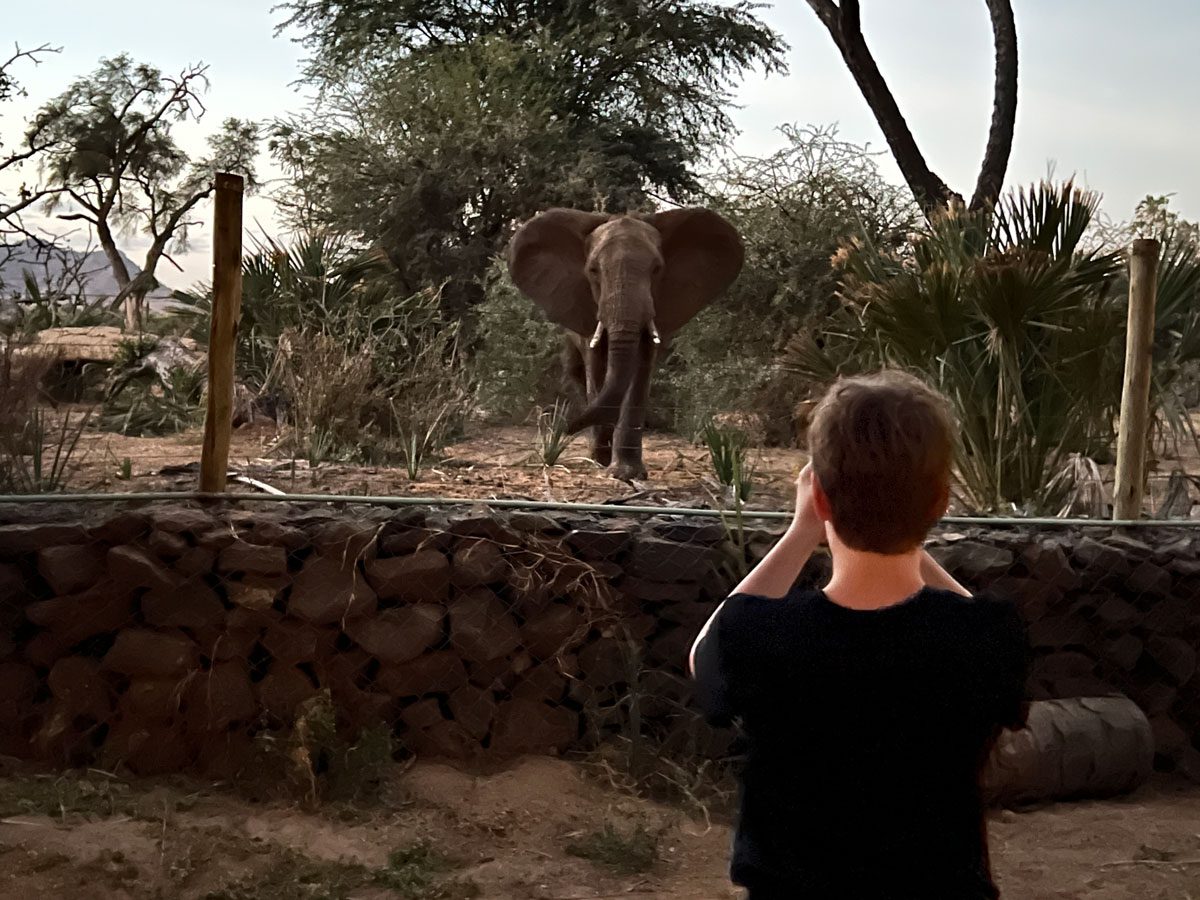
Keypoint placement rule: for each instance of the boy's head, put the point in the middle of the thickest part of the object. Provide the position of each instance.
(881, 448)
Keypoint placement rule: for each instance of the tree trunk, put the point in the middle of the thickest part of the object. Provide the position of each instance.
(135, 307)
(120, 273)
(1083, 747)
(1004, 107)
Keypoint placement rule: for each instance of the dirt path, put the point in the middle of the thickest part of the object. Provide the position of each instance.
(507, 836)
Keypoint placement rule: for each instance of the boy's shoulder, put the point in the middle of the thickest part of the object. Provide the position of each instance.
(984, 611)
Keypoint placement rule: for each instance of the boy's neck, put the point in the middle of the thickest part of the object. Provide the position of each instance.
(863, 580)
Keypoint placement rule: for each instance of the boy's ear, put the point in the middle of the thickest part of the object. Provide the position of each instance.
(821, 500)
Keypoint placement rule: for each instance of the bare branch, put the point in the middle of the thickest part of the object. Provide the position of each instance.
(28, 199)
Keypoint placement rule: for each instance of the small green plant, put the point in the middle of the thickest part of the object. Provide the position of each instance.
(625, 854)
(36, 458)
(727, 448)
(416, 872)
(321, 446)
(125, 472)
(552, 435)
(419, 436)
(327, 765)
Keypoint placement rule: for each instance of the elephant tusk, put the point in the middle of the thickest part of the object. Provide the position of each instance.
(595, 342)
(654, 334)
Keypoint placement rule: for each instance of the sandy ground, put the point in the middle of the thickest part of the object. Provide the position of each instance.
(492, 463)
(507, 835)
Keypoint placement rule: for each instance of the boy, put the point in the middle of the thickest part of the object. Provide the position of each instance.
(870, 706)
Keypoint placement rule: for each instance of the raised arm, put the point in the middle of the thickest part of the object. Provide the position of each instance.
(779, 569)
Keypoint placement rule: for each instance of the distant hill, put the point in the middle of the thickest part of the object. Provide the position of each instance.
(63, 271)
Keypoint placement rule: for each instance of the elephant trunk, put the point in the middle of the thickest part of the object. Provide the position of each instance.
(624, 357)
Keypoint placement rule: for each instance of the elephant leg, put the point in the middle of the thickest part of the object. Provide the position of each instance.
(627, 440)
(602, 435)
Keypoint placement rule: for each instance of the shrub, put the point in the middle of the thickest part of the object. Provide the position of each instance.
(365, 369)
(515, 357)
(1020, 326)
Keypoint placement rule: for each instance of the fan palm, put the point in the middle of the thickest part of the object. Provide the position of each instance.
(1012, 319)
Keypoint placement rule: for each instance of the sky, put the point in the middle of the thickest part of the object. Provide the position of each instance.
(1107, 88)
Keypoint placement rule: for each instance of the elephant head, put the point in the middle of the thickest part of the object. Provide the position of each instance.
(626, 282)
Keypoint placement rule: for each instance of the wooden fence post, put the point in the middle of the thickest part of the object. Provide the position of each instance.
(226, 310)
(1134, 425)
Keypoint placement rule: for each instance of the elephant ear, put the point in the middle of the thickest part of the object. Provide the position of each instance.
(546, 259)
(702, 255)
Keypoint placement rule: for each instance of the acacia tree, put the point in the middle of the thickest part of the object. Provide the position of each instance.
(115, 165)
(844, 22)
(438, 123)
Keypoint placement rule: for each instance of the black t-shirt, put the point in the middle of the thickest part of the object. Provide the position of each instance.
(866, 733)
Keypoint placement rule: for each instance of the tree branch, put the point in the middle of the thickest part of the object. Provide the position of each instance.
(27, 200)
(844, 25)
(827, 11)
(142, 282)
(1004, 106)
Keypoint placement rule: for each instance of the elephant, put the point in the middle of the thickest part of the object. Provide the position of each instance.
(622, 286)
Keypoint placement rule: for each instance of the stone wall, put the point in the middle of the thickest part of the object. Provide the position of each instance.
(165, 638)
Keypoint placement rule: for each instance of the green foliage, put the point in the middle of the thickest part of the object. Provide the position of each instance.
(794, 211)
(132, 351)
(552, 435)
(67, 797)
(625, 854)
(145, 408)
(417, 873)
(1177, 314)
(319, 283)
(514, 357)
(1154, 218)
(439, 124)
(114, 126)
(1176, 332)
(1012, 320)
(365, 370)
(42, 308)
